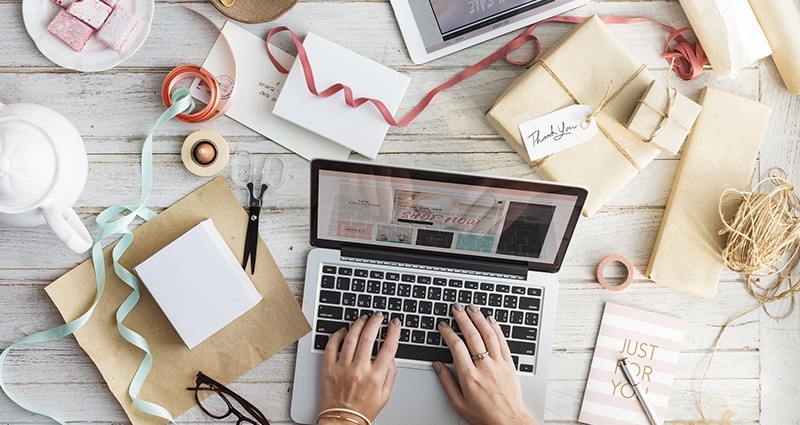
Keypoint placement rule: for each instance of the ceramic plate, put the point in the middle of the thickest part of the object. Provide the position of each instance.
(95, 56)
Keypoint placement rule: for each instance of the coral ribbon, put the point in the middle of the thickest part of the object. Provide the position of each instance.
(688, 58)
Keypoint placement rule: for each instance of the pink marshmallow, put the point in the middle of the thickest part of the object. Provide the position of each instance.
(70, 30)
(111, 3)
(92, 12)
(63, 3)
(117, 29)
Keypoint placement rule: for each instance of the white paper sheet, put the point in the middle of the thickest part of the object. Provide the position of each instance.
(258, 84)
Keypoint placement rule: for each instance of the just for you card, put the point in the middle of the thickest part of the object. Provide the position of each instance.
(652, 343)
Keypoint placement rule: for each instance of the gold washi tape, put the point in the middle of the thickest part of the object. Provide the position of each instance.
(602, 265)
(205, 153)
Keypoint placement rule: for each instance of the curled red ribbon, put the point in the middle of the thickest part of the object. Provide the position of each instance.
(688, 58)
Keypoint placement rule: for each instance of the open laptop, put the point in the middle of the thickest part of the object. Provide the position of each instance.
(412, 242)
(435, 28)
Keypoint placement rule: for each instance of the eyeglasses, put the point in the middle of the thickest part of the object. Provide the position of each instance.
(220, 403)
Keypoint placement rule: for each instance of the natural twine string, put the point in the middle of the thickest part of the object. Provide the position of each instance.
(763, 240)
(666, 116)
(763, 244)
(606, 100)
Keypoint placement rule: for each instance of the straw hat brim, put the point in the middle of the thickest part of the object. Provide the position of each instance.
(254, 11)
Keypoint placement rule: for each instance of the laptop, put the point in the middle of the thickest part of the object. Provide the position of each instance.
(435, 28)
(410, 243)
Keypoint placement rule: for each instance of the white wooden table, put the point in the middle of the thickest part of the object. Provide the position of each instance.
(756, 371)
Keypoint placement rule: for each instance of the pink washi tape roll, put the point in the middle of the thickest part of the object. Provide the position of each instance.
(602, 265)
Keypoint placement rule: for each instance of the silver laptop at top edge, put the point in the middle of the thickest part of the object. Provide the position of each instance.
(410, 243)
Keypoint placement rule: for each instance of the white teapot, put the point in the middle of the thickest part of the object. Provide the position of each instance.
(43, 169)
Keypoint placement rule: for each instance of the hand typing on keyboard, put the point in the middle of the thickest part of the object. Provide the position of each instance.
(355, 388)
(351, 380)
(486, 391)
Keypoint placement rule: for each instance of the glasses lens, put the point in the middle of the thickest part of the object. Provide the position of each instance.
(214, 405)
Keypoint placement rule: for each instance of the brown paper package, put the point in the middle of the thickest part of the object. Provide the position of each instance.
(664, 117)
(780, 21)
(274, 323)
(597, 164)
(719, 154)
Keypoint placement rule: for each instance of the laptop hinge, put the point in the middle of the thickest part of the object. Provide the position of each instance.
(435, 263)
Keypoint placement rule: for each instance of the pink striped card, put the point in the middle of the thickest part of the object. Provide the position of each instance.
(652, 343)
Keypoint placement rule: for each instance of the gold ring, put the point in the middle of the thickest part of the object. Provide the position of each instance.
(481, 356)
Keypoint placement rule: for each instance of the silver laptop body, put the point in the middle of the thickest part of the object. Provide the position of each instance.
(377, 227)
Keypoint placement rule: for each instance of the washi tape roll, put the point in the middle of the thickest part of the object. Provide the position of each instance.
(602, 265)
(205, 153)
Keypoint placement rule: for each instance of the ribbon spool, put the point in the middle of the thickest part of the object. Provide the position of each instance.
(215, 104)
(602, 265)
(205, 153)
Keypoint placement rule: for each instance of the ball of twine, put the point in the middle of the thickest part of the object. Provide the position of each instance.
(763, 243)
(763, 237)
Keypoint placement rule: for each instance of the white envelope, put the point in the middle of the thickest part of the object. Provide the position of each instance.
(361, 129)
(258, 84)
(198, 283)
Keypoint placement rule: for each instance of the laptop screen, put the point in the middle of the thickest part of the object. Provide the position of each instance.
(371, 205)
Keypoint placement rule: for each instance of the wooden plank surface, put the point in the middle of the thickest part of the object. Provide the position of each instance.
(755, 373)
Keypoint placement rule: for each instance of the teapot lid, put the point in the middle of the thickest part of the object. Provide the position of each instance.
(27, 162)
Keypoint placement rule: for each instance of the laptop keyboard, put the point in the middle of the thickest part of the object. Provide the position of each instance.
(421, 300)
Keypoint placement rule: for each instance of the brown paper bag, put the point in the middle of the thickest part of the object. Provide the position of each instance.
(587, 66)
(264, 330)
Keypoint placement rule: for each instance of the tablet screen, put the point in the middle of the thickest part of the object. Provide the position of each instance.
(434, 28)
(456, 17)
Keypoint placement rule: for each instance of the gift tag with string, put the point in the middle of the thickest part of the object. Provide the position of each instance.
(558, 130)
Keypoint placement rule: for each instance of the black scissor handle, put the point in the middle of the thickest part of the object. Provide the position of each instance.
(256, 201)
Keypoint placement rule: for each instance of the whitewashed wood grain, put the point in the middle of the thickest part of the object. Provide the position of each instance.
(755, 374)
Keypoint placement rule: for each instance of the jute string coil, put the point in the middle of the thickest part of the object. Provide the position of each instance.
(764, 240)
(764, 244)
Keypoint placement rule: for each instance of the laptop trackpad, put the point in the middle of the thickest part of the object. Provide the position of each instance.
(417, 398)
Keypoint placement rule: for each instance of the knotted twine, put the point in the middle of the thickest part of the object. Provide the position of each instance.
(764, 244)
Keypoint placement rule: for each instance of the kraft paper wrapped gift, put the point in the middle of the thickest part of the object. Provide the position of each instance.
(587, 66)
(729, 32)
(720, 154)
(664, 117)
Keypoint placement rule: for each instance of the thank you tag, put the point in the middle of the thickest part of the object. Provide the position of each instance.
(559, 130)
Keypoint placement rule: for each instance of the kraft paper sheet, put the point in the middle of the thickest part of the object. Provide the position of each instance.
(274, 323)
(588, 61)
(780, 21)
(720, 154)
(729, 33)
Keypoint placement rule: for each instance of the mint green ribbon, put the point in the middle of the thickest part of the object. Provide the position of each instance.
(181, 102)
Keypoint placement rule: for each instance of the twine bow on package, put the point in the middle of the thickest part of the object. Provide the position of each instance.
(611, 84)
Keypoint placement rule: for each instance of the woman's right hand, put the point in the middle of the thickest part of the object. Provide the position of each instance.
(486, 391)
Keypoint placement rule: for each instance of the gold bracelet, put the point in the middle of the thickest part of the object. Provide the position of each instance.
(344, 418)
(341, 410)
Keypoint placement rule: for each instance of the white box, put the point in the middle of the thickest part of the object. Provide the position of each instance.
(198, 283)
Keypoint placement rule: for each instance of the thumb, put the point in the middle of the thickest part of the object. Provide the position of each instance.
(449, 383)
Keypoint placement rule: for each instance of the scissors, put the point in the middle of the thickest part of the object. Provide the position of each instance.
(243, 174)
